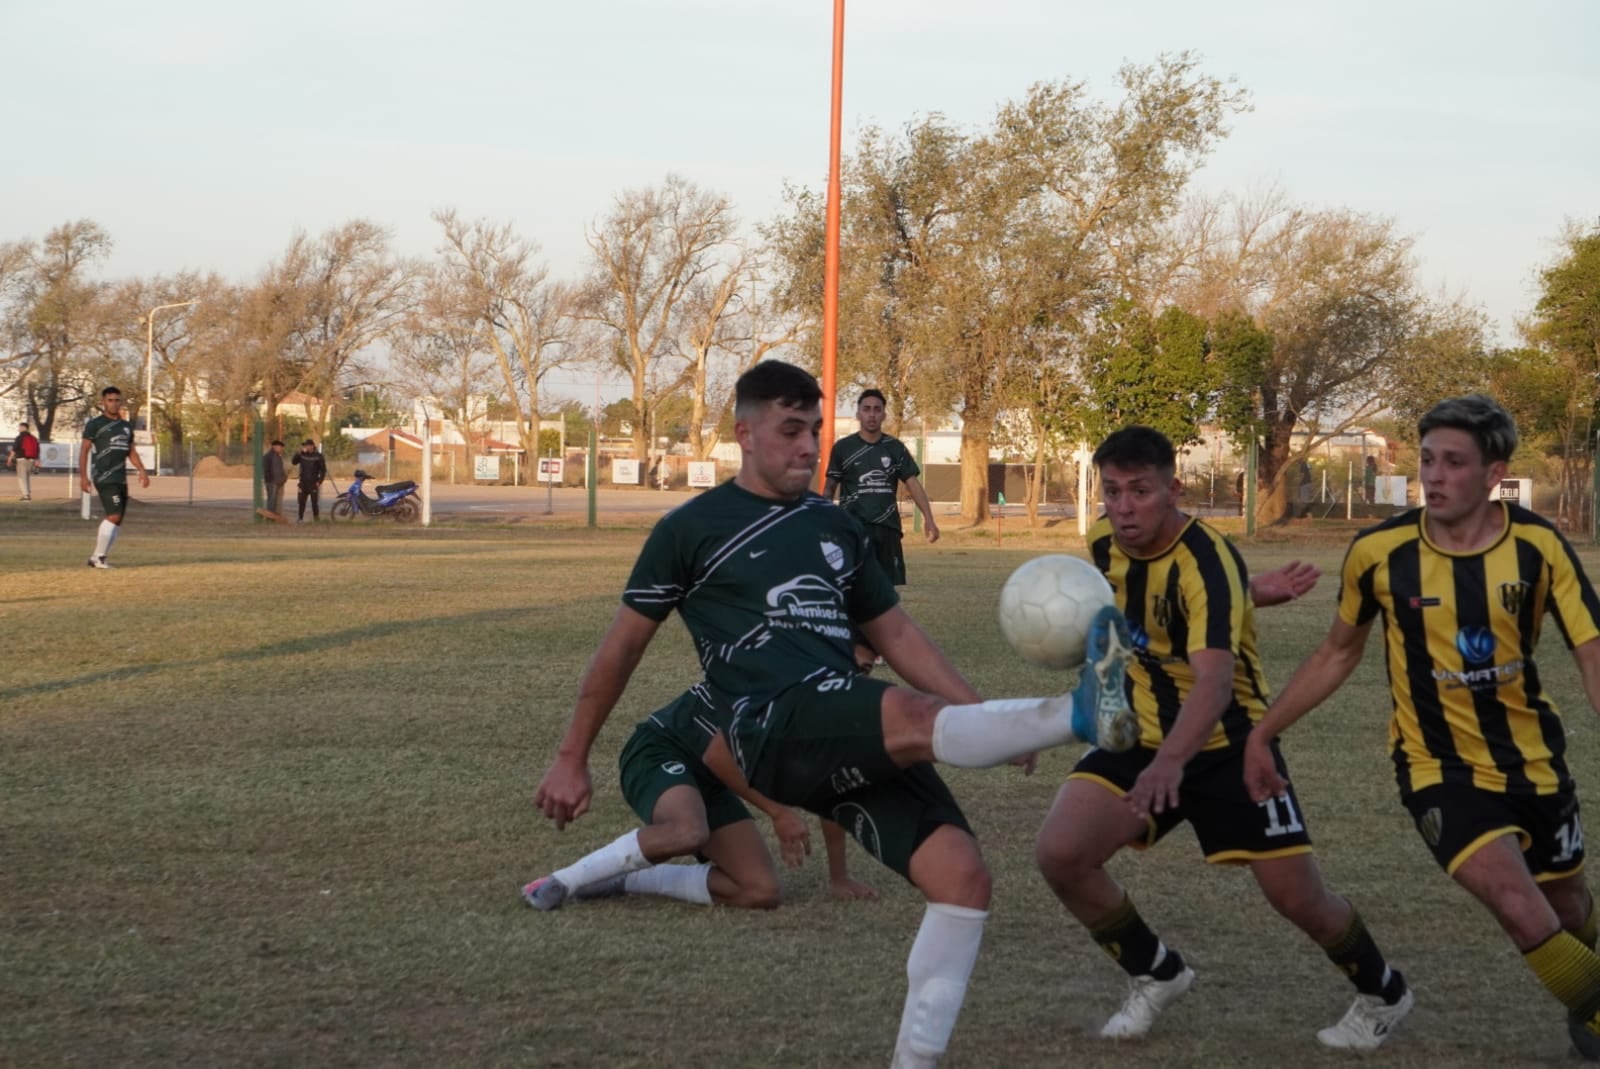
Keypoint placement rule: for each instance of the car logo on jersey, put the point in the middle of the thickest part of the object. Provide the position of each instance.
(802, 592)
(1475, 644)
(833, 555)
(1512, 596)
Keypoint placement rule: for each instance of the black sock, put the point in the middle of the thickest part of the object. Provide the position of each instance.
(1357, 954)
(1129, 942)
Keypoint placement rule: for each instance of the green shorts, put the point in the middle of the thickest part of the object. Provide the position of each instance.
(113, 497)
(653, 762)
(819, 746)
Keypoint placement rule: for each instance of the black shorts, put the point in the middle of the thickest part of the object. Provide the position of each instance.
(113, 497)
(1456, 820)
(1231, 828)
(886, 547)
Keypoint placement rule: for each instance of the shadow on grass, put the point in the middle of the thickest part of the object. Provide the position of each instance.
(317, 643)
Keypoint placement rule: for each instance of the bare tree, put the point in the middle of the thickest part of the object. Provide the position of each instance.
(490, 282)
(649, 254)
(441, 352)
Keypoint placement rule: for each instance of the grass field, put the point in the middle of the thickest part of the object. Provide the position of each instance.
(265, 800)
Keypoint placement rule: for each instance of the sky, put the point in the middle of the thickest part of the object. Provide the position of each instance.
(202, 136)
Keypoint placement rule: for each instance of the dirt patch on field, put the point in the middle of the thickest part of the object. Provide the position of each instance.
(214, 468)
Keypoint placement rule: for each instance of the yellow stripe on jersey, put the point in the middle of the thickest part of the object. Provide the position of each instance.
(1194, 595)
(1459, 635)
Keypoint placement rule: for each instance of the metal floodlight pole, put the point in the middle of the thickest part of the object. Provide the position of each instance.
(149, 370)
(830, 271)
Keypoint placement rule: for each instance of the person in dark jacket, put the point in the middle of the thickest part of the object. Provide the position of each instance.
(274, 475)
(313, 470)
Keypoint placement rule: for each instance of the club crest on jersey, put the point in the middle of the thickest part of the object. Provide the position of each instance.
(1161, 611)
(1512, 595)
(833, 555)
(885, 461)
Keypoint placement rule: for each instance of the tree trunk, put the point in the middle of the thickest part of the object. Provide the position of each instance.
(975, 430)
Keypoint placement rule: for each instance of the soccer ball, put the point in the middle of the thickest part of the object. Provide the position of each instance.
(1046, 608)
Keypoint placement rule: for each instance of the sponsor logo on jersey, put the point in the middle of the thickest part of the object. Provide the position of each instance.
(859, 823)
(1475, 644)
(673, 768)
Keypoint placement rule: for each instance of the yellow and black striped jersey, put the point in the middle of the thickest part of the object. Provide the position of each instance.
(1459, 634)
(1194, 595)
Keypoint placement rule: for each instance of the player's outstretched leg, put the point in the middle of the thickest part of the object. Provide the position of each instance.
(991, 733)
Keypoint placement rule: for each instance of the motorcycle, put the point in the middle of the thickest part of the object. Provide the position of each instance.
(396, 501)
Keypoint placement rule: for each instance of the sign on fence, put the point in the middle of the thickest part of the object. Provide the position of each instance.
(486, 467)
(550, 469)
(702, 474)
(625, 472)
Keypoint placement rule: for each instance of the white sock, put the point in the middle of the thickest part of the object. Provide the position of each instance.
(994, 732)
(613, 859)
(938, 969)
(687, 883)
(104, 537)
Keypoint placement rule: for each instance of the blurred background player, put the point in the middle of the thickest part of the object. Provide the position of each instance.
(103, 469)
(1462, 586)
(866, 469)
(1197, 685)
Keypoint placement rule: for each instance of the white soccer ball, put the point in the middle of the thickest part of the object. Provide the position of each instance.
(1046, 608)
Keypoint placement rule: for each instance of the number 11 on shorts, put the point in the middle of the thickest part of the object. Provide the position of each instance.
(1288, 823)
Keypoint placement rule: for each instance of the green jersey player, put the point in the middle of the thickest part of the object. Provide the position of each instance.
(103, 468)
(770, 580)
(867, 468)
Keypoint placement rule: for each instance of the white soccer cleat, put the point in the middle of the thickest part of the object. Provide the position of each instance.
(99, 562)
(1367, 1023)
(1101, 715)
(1147, 997)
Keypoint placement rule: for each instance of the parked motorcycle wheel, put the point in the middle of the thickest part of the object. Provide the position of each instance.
(342, 510)
(406, 511)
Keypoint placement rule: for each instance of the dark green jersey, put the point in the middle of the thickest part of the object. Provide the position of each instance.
(768, 589)
(110, 439)
(689, 720)
(869, 475)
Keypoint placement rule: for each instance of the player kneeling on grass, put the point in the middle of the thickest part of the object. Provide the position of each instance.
(688, 812)
(1462, 586)
(769, 578)
(1197, 685)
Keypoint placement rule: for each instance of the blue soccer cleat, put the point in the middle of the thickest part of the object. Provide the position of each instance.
(545, 894)
(1101, 714)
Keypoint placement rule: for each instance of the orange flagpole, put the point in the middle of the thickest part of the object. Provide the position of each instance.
(830, 267)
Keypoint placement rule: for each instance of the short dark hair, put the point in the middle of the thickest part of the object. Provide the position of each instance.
(1490, 425)
(873, 392)
(277, 441)
(23, 424)
(109, 390)
(307, 442)
(774, 380)
(1137, 447)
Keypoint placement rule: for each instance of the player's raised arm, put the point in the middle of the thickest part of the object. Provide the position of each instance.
(563, 793)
